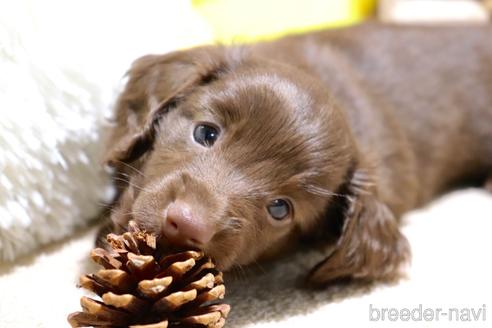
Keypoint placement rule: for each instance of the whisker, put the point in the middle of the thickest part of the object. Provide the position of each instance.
(131, 184)
(259, 266)
(132, 213)
(239, 272)
(133, 168)
(105, 205)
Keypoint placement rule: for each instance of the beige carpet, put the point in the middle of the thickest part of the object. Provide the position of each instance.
(451, 270)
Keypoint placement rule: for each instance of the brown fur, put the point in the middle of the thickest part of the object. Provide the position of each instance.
(355, 126)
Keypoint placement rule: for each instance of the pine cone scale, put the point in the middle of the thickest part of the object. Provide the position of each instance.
(179, 269)
(154, 288)
(142, 266)
(89, 283)
(208, 281)
(162, 324)
(84, 319)
(204, 319)
(126, 302)
(115, 280)
(103, 258)
(174, 301)
(213, 294)
(168, 260)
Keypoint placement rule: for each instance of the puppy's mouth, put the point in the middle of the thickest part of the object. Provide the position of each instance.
(169, 247)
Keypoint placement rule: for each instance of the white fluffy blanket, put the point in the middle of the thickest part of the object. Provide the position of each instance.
(60, 62)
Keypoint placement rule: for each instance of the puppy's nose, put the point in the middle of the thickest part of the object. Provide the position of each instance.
(184, 227)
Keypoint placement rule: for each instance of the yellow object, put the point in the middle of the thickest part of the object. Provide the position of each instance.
(250, 20)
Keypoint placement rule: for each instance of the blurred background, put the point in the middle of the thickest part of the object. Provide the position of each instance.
(239, 20)
(62, 64)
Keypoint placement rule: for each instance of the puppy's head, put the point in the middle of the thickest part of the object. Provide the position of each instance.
(227, 153)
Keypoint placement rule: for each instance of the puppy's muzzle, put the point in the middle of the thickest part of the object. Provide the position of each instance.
(187, 216)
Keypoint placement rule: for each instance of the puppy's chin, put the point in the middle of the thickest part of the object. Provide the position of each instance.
(224, 260)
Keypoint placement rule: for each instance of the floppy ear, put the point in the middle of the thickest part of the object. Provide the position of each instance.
(371, 246)
(156, 84)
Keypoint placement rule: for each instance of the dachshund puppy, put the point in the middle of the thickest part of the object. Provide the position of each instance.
(242, 151)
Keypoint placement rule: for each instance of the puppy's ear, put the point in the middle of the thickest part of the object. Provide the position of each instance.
(371, 246)
(156, 84)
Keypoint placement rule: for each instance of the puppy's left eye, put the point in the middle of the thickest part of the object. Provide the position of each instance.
(205, 134)
(279, 209)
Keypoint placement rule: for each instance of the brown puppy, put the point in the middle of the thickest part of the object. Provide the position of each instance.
(242, 151)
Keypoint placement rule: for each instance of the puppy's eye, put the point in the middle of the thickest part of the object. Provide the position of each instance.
(205, 134)
(279, 209)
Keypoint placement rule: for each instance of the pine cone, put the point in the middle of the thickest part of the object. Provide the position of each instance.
(139, 287)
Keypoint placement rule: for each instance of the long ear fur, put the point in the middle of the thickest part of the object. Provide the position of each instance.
(371, 246)
(156, 84)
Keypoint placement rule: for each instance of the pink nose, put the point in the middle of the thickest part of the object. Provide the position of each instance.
(183, 227)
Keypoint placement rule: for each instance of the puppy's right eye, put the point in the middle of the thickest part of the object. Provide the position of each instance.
(279, 209)
(205, 134)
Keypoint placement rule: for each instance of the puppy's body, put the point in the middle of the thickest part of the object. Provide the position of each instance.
(419, 101)
(351, 127)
